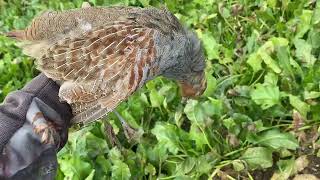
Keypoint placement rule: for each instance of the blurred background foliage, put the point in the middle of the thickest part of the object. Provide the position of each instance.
(259, 117)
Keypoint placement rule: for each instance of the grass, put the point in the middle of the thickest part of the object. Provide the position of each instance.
(259, 116)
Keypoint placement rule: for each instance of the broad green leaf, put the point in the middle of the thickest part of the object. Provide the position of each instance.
(252, 41)
(275, 139)
(156, 99)
(210, 44)
(145, 3)
(238, 165)
(75, 168)
(167, 134)
(120, 171)
(258, 157)
(115, 155)
(211, 84)
(316, 14)
(301, 106)
(213, 107)
(198, 136)
(104, 164)
(271, 79)
(272, 64)
(315, 38)
(185, 177)
(286, 169)
(265, 96)
(303, 52)
(311, 95)
(150, 169)
(272, 3)
(284, 60)
(186, 166)
(304, 23)
(279, 42)
(95, 145)
(91, 175)
(158, 153)
(232, 126)
(255, 62)
(195, 112)
(130, 119)
(204, 163)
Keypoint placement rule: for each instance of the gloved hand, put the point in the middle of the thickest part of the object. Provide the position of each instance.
(33, 127)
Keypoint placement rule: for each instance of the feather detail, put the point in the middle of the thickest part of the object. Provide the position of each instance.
(100, 68)
(17, 34)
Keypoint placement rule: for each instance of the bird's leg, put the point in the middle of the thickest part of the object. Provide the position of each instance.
(111, 135)
(129, 132)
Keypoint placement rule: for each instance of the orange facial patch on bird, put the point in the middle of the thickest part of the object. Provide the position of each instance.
(188, 90)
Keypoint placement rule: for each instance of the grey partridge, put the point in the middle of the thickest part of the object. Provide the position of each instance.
(101, 55)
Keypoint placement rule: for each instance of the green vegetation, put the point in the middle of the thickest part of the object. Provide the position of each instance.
(259, 114)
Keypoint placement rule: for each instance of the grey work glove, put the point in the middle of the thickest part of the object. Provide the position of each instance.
(33, 127)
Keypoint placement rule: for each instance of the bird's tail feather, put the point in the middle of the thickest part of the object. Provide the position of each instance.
(16, 34)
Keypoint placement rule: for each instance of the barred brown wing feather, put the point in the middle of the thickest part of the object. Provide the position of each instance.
(100, 68)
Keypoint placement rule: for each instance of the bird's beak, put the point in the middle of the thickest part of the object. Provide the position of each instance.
(193, 90)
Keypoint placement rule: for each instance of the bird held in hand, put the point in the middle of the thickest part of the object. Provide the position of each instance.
(101, 55)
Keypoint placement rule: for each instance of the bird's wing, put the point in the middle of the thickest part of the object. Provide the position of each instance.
(100, 68)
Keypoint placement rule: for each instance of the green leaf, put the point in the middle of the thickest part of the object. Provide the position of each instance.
(199, 113)
(272, 64)
(279, 42)
(145, 3)
(213, 107)
(129, 119)
(167, 134)
(95, 145)
(301, 106)
(205, 163)
(304, 23)
(115, 155)
(255, 62)
(275, 139)
(270, 79)
(150, 169)
(316, 14)
(286, 169)
(303, 52)
(104, 164)
(158, 153)
(311, 95)
(198, 136)
(91, 175)
(120, 171)
(75, 168)
(238, 165)
(155, 98)
(211, 84)
(186, 166)
(210, 45)
(195, 112)
(284, 60)
(266, 96)
(258, 157)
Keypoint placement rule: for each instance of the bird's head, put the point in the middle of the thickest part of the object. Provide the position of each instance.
(192, 81)
(189, 66)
